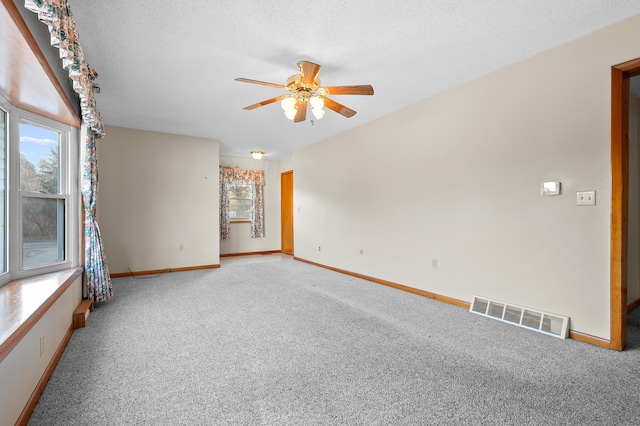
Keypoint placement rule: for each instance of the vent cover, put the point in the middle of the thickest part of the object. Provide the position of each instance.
(551, 324)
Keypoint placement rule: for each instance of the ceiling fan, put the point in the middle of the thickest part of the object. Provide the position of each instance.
(304, 89)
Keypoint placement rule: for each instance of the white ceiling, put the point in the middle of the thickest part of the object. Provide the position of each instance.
(169, 66)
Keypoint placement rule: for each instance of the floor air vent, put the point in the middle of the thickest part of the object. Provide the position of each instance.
(551, 324)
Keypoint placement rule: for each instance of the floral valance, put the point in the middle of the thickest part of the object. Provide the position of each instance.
(57, 15)
(241, 176)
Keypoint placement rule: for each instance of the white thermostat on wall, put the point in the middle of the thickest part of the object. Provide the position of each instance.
(550, 188)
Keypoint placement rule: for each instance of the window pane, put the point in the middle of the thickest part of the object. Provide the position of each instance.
(3, 191)
(239, 201)
(39, 159)
(239, 191)
(42, 231)
(239, 209)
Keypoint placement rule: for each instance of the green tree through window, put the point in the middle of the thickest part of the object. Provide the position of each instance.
(239, 201)
(43, 207)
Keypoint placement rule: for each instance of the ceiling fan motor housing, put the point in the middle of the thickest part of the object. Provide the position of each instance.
(301, 90)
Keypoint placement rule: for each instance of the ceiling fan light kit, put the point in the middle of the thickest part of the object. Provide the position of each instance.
(290, 106)
(306, 89)
(318, 113)
(257, 155)
(289, 103)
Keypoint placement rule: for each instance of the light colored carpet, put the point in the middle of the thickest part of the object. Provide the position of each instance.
(286, 343)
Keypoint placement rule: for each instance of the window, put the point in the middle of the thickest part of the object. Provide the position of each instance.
(42, 198)
(241, 199)
(39, 195)
(3, 190)
(239, 202)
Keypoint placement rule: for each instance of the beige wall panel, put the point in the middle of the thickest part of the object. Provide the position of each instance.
(158, 200)
(241, 241)
(457, 178)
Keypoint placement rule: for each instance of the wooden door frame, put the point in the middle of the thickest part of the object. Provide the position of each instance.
(288, 172)
(620, 75)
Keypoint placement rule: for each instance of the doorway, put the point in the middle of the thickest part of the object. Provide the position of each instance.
(620, 82)
(286, 209)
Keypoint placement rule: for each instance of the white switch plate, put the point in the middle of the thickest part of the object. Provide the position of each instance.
(586, 198)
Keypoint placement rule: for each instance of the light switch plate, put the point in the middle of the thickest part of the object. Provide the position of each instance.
(586, 198)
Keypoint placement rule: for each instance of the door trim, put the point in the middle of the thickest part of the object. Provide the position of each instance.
(282, 205)
(620, 75)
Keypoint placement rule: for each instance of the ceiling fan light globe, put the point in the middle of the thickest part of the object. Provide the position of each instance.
(290, 113)
(316, 102)
(318, 113)
(288, 104)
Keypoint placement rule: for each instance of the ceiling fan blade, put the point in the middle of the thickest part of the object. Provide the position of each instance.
(364, 89)
(309, 71)
(301, 113)
(337, 107)
(267, 102)
(262, 83)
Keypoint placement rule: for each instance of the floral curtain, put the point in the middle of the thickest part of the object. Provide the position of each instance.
(241, 176)
(255, 178)
(98, 280)
(257, 211)
(225, 229)
(56, 14)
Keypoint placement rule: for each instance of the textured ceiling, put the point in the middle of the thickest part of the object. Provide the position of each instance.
(169, 66)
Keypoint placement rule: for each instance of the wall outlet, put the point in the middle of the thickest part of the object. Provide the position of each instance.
(41, 346)
(319, 248)
(434, 263)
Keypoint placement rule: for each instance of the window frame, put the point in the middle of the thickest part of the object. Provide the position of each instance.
(69, 165)
(5, 275)
(241, 219)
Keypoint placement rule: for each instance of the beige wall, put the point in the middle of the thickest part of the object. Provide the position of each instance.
(286, 164)
(23, 368)
(241, 241)
(158, 200)
(456, 178)
(633, 241)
